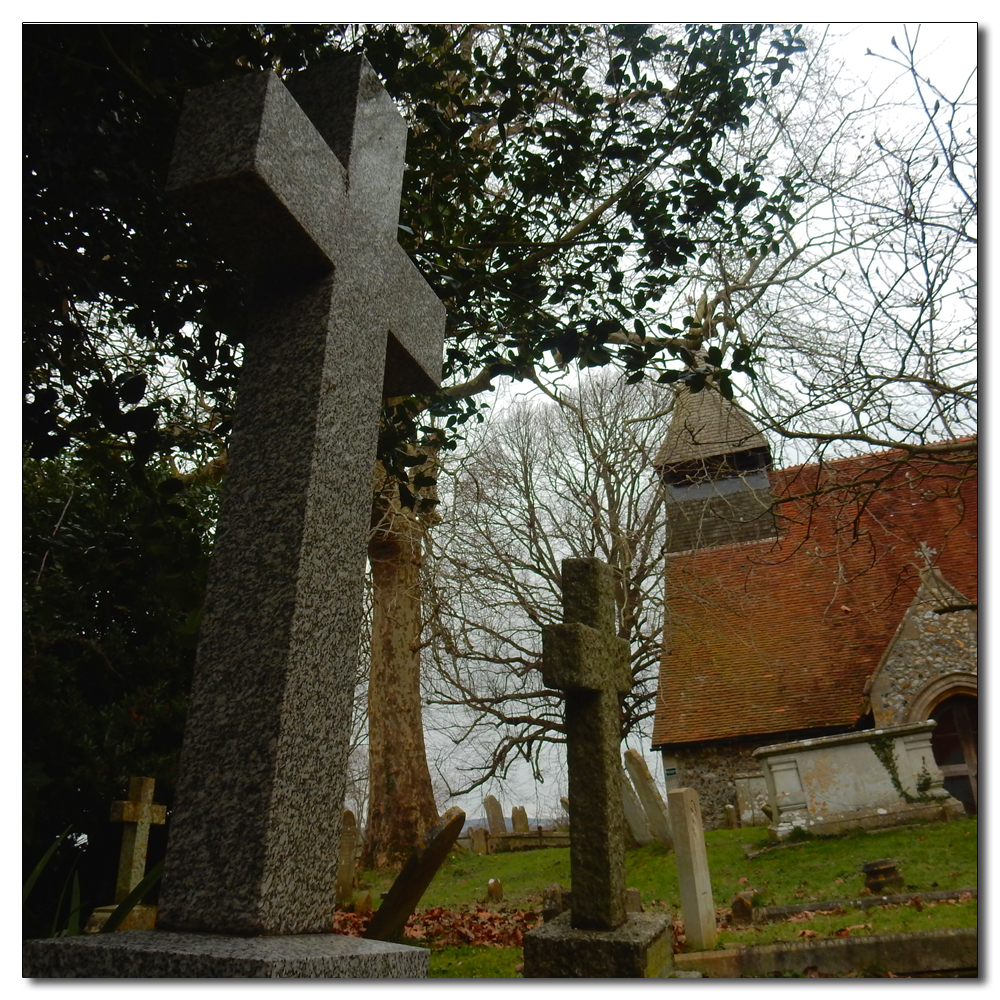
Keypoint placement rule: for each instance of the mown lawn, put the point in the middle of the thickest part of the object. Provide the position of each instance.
(931, 856)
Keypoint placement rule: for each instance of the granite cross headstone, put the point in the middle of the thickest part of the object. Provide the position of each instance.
(300, 187)
(585, 658)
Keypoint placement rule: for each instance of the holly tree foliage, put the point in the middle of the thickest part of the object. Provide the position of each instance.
(559, 178)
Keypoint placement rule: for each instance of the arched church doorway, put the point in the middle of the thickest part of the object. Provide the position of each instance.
(955, 743)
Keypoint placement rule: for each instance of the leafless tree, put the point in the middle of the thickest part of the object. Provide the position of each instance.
(862, 316)
(549, 478)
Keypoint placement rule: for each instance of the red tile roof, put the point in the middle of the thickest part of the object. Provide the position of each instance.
(774, 636)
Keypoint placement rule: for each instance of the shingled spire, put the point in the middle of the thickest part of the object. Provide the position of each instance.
(713, 465)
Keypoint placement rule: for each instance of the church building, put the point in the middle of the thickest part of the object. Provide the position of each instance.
(811, 601)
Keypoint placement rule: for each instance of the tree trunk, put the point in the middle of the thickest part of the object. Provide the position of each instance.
(401, 807)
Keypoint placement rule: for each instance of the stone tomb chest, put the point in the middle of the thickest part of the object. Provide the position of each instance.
(874, 778)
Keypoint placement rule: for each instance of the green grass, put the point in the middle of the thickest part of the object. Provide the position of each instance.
(931, 856)
(876, 920)
(474, 963)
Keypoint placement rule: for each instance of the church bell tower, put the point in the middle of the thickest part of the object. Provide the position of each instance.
(714, 467)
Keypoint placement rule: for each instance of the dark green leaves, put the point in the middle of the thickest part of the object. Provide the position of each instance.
(537, 198)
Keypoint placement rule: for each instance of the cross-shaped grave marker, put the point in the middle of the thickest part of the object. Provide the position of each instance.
(137, 812)
(300, 186)
(585, 658)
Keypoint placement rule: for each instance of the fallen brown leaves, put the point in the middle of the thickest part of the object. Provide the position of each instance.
(437, 924)
(846, 931)
(807, 915)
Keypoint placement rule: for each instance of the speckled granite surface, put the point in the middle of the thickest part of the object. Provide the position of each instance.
(254, 832)
(163, 955)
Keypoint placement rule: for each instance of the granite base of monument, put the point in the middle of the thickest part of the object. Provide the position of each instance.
(642, 948)
(167, 955)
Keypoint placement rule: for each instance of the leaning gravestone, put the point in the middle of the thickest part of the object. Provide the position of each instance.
(300, 186)
(697, 907)
(652, 802)
(635, 819)
(585, 658)
(494, 816)
(414, 878)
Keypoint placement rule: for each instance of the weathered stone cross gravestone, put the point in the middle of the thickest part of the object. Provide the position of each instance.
(138, 812)
(585, 658)
(300, 187)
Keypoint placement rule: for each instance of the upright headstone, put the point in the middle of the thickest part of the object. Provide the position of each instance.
(553, 901)
(348, 857)
(697, 907)
(480, 844)
(494, 816)
(137, 813)
(519, 820)
(635, 819)
(730, 818)
(300, 186)
(649, 795)
(586, 659)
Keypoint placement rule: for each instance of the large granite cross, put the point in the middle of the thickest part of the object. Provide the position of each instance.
(299, 185)
(585, 658)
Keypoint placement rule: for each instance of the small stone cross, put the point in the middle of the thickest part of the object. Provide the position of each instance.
(585, 658)
(137, 812)
(299, 186)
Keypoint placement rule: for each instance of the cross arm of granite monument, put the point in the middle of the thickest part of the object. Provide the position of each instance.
(291, 184)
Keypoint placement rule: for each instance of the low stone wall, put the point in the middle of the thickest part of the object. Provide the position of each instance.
(945, 950)
(528, 841)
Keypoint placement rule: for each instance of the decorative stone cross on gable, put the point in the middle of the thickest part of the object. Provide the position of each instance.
(585, 658)
(299, 185)
(137, 812)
